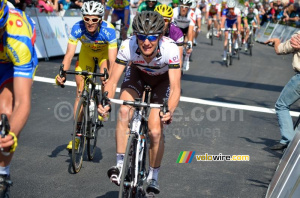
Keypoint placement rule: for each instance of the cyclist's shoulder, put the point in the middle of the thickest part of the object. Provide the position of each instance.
(110, 3)
(167, 43)
(78, 29)
(158, 3)
(174, 29)
(107, 25)
(107, 30)
(19, 23)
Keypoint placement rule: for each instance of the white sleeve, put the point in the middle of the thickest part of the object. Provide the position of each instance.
(237, 12)
(175, 13)
(173, 56)
(192, 17)
(123, 55)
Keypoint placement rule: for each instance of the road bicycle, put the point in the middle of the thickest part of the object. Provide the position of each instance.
(230, 47)
(134, 173)
(4, 130)
(250, 40)
(87, 122)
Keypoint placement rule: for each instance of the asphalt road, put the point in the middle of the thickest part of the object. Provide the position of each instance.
(41, 165)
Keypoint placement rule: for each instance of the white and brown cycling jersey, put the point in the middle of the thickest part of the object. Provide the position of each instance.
(167, 56)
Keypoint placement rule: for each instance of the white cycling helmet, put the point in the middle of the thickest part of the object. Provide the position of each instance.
(231, 3)
(92, 8)
(186, 2)
(194, 5)
(213, 2)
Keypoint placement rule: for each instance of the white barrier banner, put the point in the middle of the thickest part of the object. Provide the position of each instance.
(70, 18)
(54, 33)
(289, 31)
(278, 31)
(39, 44)
(260, 32)
(268, 32)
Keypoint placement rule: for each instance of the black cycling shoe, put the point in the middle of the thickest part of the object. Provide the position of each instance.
(153, 187)
(113, 174)
(5, 184)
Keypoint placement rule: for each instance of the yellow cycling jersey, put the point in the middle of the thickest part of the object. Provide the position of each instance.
(17, 44)
(124, 4)
(103, 39)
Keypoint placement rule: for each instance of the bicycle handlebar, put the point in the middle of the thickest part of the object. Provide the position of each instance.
(229, 29)
(62, 73)
(4, 126)
(135, 103)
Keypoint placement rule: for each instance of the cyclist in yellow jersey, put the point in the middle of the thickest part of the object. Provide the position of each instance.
(121, 11)
(98, 39)
(18, 62)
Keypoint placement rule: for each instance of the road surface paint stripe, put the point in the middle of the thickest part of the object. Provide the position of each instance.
(189, 100)
(179, 157)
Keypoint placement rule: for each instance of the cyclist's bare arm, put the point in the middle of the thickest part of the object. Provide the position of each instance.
(126, 13)
(223, 22)
(190, 33)
(258, 20)
(245, 22)
(199, 24)
(111, 85)
(112, 54)
(21, 109)
(174, 77)
(67, 61)
(239, 23)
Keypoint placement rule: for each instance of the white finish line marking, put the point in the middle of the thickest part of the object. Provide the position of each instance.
(190, 100)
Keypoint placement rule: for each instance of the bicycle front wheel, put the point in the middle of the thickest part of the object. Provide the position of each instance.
(250, 44)
(95, 125)
(127, 177)
(79, 135)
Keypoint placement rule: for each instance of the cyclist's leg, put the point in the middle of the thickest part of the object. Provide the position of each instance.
(130, 90)
(160, 90)
(215, 23)
(124, 29)
(114, 18)
(208, 26)
(235, 36)
(225, 40)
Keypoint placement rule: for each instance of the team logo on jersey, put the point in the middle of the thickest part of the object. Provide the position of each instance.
(19, 23)
(11, 23)
(174, 60)
(139, 62)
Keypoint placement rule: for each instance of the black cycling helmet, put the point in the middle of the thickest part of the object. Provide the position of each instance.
(148, 22)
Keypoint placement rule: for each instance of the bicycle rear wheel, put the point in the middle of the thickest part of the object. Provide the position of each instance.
(95, 125)
(79, 134)
(127, 177)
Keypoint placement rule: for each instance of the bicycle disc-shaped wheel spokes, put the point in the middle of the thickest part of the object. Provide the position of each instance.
(79, 136)
(92, 135)
(127, 177)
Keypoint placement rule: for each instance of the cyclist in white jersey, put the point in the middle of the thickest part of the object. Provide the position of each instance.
(185, 19)
(197, 28)
(153, 60)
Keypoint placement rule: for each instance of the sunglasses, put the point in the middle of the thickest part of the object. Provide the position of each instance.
(167, 19)
(94, 20)
(151, 38)
(183, 6)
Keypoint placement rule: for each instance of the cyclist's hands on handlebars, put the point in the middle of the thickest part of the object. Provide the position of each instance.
(60, 80)
(165, 114)
(104, 107)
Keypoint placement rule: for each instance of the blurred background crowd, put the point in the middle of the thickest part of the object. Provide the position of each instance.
(281, 11)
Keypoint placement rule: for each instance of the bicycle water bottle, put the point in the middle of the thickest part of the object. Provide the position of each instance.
(92, 108)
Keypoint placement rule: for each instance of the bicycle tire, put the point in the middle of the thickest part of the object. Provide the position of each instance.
(128, 169)
(77, 154)
(212, 36)
(93, 133)
(250, 45)
(142, 170)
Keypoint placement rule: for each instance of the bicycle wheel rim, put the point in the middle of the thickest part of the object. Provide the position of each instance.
(77, 154)
(92, 138)
(128, 168)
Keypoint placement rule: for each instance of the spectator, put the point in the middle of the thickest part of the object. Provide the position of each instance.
(19, 4)
(291, 13)
(290, 93)
(47, 5)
